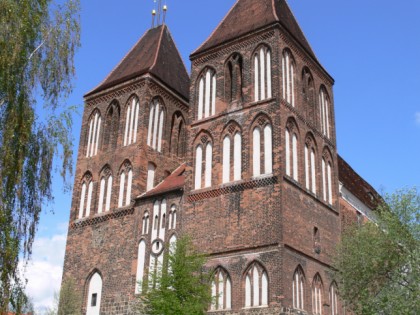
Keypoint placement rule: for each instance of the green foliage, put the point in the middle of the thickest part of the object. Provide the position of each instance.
(378, 262)
(38, 40)
(68, 302)
(181, 286)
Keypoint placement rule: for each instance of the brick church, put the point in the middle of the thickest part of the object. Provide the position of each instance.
(240, 154)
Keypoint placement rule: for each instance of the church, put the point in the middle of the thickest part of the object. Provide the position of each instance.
(240, 155)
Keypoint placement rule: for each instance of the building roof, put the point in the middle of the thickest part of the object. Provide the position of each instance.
(157, 54)
(250, 15)
(175, 181)
(357, 185)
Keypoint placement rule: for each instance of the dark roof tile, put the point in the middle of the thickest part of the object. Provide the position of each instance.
(175, 181)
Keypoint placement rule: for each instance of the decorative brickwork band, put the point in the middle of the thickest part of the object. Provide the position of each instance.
(109, 216)
(251, 184)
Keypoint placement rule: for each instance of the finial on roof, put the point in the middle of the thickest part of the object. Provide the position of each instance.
(159, 13)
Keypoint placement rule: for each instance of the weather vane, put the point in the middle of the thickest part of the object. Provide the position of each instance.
(159, 13)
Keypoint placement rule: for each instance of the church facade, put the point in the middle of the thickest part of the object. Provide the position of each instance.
(240, 155)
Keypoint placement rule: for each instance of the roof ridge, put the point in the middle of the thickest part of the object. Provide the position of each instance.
(216, 28)
(159, 45)
(273, 6)
(121, 61)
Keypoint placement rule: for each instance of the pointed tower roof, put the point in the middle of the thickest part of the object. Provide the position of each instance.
(154, 53)
(249, 15)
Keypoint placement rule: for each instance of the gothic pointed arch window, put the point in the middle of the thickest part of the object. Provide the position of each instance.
(156, 124)
(308, 88)
(94, 297)
(94, 132)
(105, 190)
(310, 163)
(177, 145)
(298, 289)
(112, 125)
(172, 218)
(291, 138)
(262, 146)
(232, 147)
(86, 196)
(151, 171)
(256, 286)
(141, 257)
(262, 73)
(131, 120)
(324, 111)
(233, 78)
(221, 290)
(146, 222)
(317, 295)
(206, 93)
(334, 299)
(157, 235)
(327, 176)
(203, 162)
(288, 70)
(126, 179)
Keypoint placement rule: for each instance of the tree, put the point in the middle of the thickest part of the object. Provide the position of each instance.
(181, 286)
(68, 301)
(38, 40)
(378, 263)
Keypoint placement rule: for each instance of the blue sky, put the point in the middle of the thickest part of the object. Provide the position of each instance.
(371, 48)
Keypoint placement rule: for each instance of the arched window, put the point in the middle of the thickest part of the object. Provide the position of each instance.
(221, 291)
(233, 78)
(126, 179)
(94, 133)
(262, 74)
(158, 234)
(327, 178)
(298, 289)
(93, 306)
(288, 69)
(310, 165)
(324, 112)
(308, 89)
(207, 94)
(203, 159)
(111, 126)
(156, 120)
(145, 226)
(172, 218)
(151, 169)
(317, 295)
(131, 121)
(178, 135)
(86, 196)
(256, 286)
(105, 192)
(141, 257)
(333, 299)
(262, 148)
(232, 145)
(292, 151)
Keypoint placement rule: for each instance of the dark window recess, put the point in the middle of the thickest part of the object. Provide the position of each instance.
(94, 299)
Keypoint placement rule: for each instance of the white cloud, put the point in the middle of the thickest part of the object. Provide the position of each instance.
(418, 118)
(45, 269)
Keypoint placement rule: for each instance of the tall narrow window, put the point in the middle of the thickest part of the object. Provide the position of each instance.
(93, 135)
(141, 257)
(86, 196)
(327, 180)
(203, 164)
(226, 159)
(131, 121)
(207, 94)
(233, 78)
(172, 218)
(324, 112)
(145, 226)
(105, 191)
(288, 69)
(111, 127)
(221, 291)
(291, 154)
(310, 171)
(256, 286)
(94, 295)
(232, 168)
(156, 120)
(198, 166)
(317, 295)
(151, 168)
(262, 74)
(262, 148)
(333, 299)
(126, 178)
(158, 234)
(178, 137)
(298, 289)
